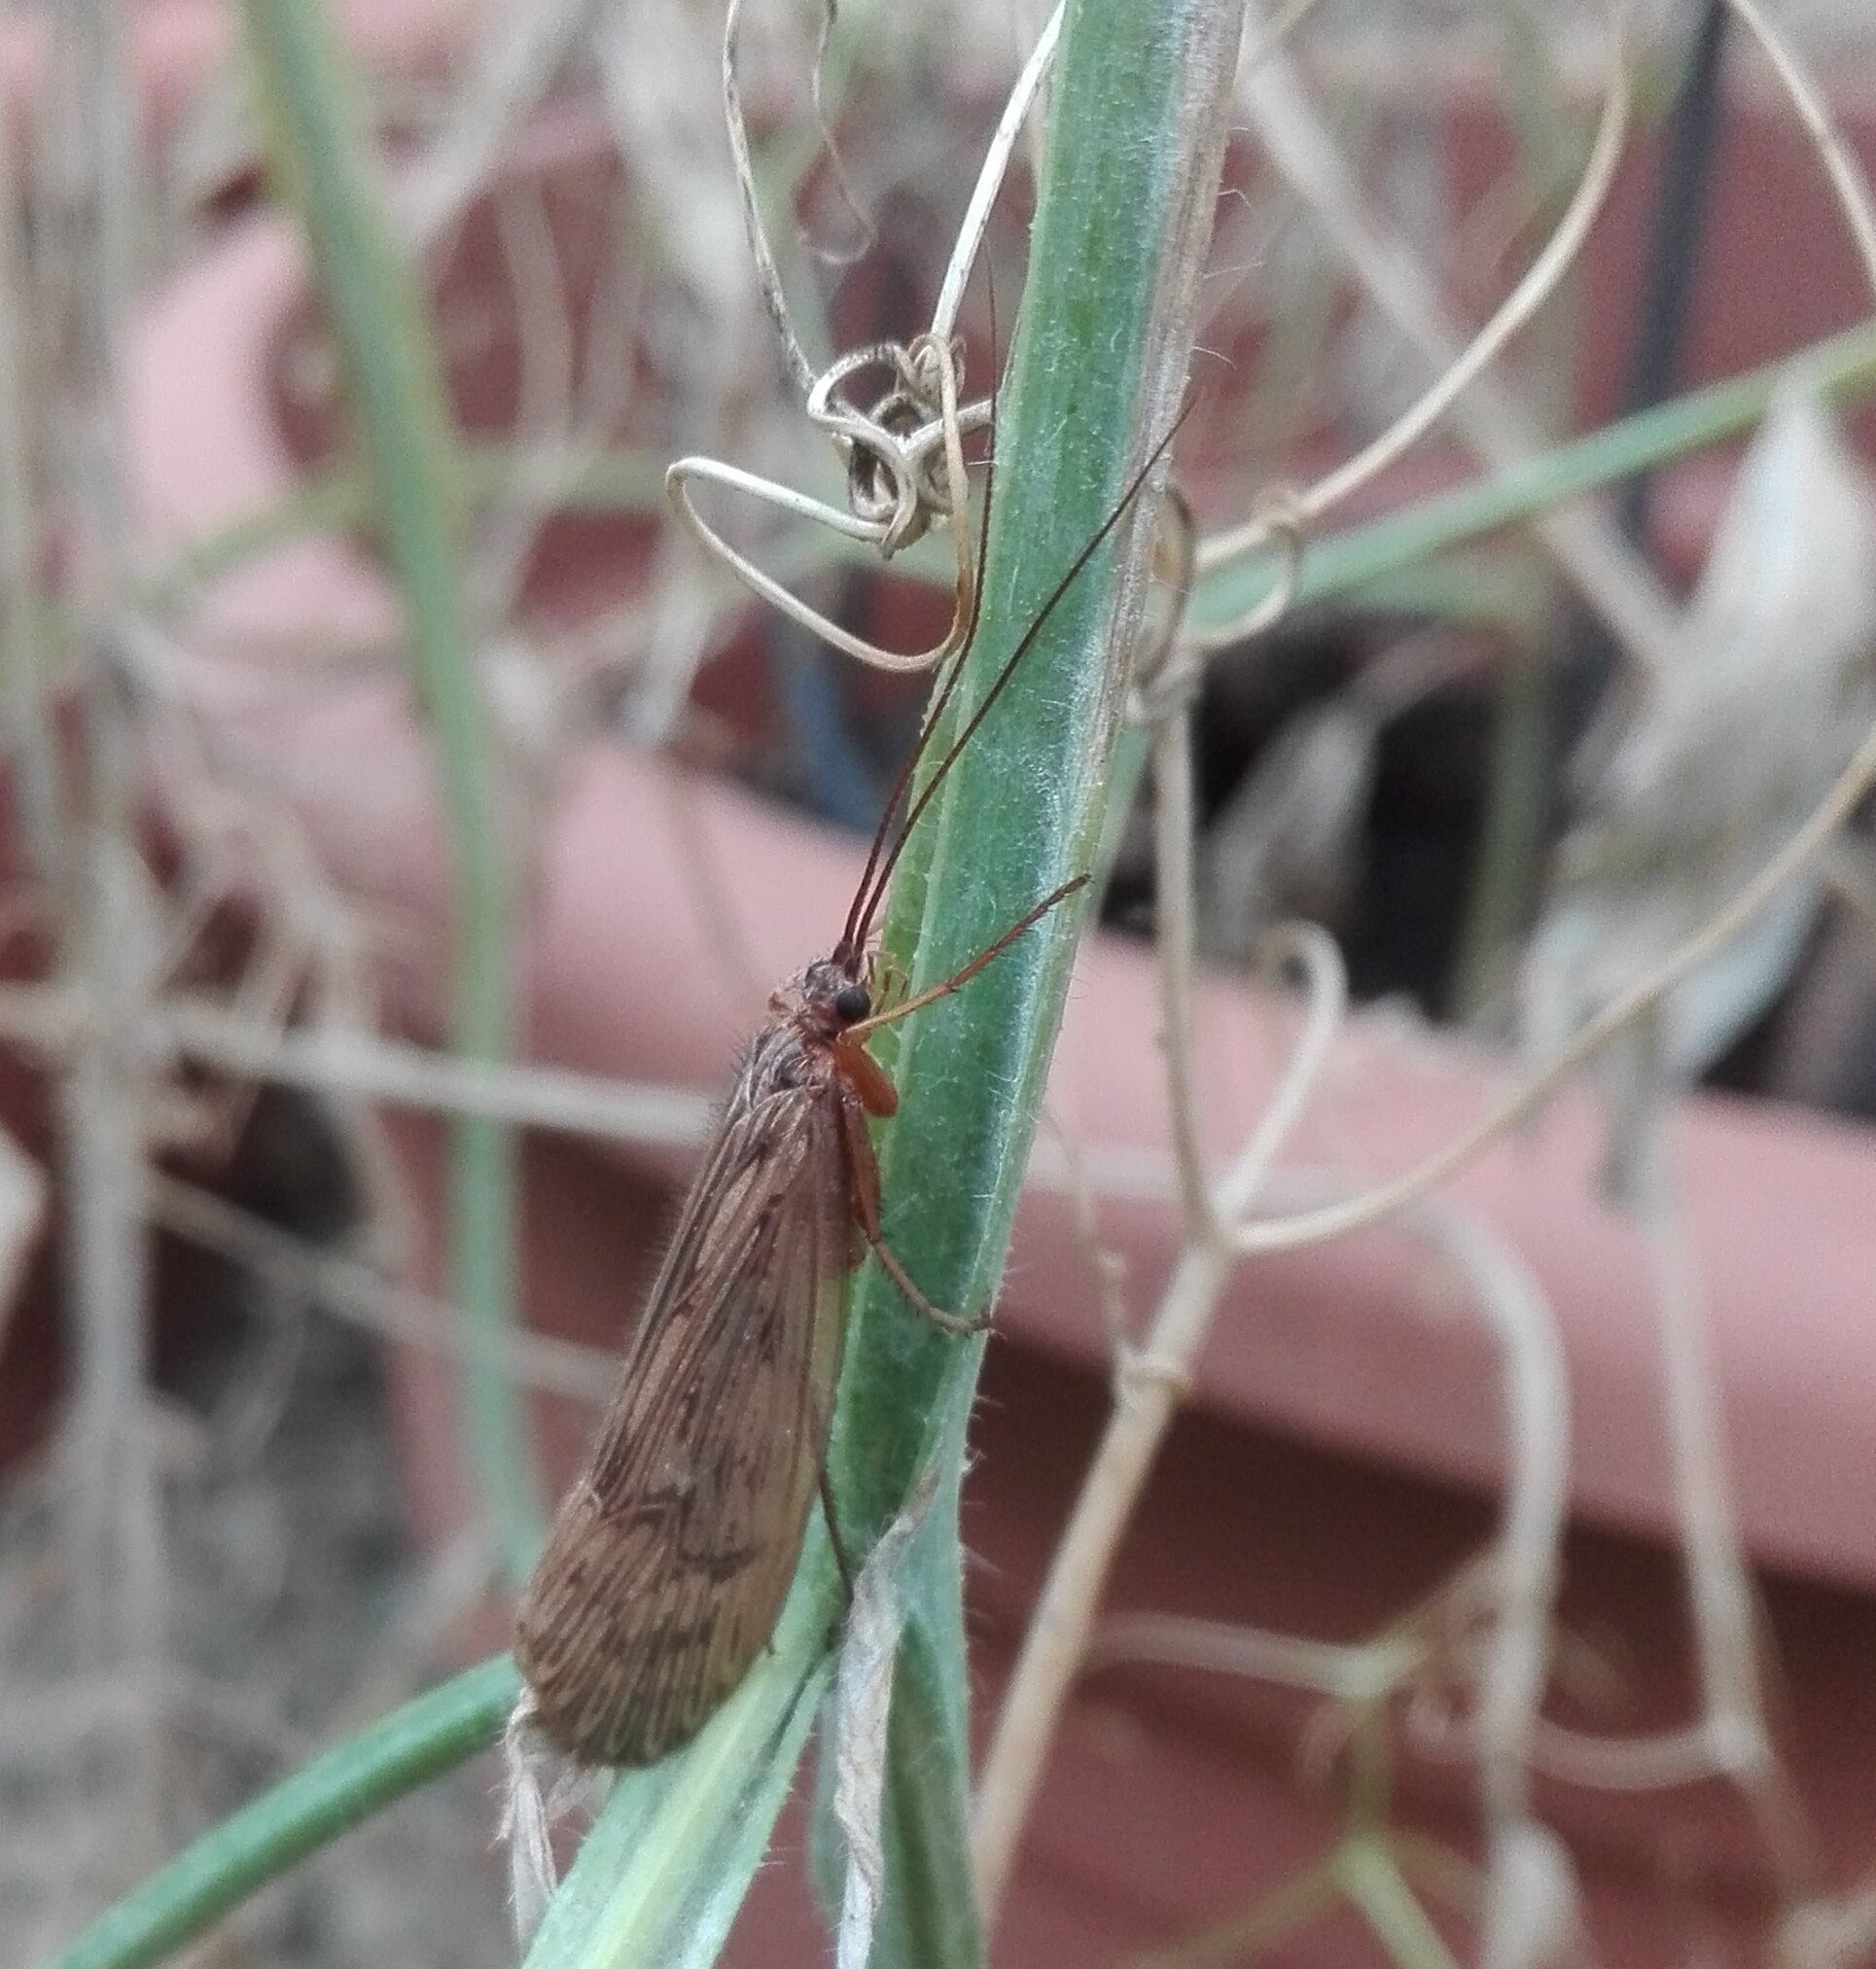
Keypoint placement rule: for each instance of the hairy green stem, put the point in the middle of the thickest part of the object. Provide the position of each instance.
(1096, 376)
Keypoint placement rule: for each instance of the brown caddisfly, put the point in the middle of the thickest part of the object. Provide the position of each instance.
(669, 1558)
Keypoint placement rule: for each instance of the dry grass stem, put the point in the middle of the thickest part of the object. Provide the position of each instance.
(346, 1060)
(899, 498)
(1736, 1738)
(1537, 1436)
(1840, 166)
(903, 457)
(666, 119)
(1149, 1382)
(1108, 1268)
(996, 162)
(1516, 1587)
(1275, 36)
(1176, 952)
(357, 1291)
(1357, 1674)
(1808, 841)
(1604, 569)
(333, 1059)
(524, 45)
(546, 388)
(1176, 945)
(1663, 1761)
(37, 771)
(1532, 1090)
(769, 277)
(116, 1610)
(1464, 365)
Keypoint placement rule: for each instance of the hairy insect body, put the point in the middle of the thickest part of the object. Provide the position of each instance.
(669, 1558)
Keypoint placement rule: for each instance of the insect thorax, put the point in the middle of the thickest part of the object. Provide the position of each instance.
(820, 1002)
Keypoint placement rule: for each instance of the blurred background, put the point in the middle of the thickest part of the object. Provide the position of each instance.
(345, 748)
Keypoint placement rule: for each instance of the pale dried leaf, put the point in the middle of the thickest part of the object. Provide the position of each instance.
(22, 1210)
(1533, 1915)
(531, 1809)
(1289, 842)
(1739, 739)
(862, 1704)
(527, 1825)
(1377, 370)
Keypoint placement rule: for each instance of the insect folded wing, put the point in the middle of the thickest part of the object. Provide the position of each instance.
(670, 1558)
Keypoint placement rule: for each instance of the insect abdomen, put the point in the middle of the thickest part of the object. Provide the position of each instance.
(669, 1559)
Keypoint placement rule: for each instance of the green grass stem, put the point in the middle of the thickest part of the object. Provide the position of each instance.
(308, 1811)
(404, 436)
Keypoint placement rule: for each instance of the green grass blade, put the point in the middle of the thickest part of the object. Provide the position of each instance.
(333, 1793)
(1842, 369)
(334, 499)
(403, 434)
(1123, 214)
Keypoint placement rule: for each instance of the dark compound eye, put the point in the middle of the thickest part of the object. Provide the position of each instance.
(851, 1004)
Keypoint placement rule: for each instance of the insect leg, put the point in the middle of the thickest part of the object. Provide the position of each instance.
(889, 981)
(863, 1173)
(952, 1323)
(976, 964)
(838, 1542)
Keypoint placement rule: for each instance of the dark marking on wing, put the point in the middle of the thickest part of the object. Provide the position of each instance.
(669, 1558)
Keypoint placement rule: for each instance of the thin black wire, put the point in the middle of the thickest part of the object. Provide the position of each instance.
(1690, 146)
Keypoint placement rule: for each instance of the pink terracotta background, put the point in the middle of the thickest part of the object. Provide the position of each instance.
(1345, 1440)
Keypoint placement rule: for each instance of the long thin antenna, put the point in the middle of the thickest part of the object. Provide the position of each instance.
(858, 921)
(1009, 670)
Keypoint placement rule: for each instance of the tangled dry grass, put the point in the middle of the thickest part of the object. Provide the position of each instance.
(200, 1574)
